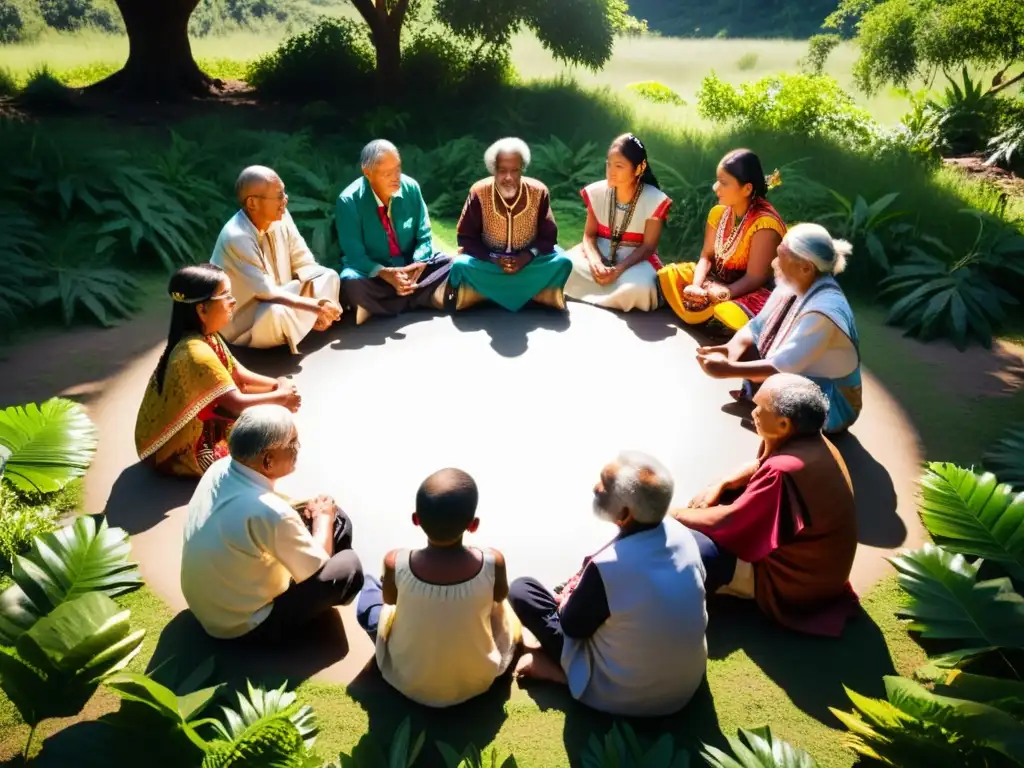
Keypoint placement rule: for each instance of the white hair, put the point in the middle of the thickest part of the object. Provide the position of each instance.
(374, 151)
(259, 429)
(813, 243)
(510, 145)
(643, 485)
(253, 176)
(798, 399)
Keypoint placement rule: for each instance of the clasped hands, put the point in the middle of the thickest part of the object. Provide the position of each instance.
(715, 292)
(292, 400)
(321, 507)
(602, 273)
(511, 263)
(403, 279)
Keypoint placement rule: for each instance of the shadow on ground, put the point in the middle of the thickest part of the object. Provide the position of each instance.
(140, 498)
(510, 332)
(811, 670)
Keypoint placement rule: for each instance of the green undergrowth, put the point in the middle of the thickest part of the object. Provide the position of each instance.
(758, 674)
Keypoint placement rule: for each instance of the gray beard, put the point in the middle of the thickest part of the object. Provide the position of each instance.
(601, 513)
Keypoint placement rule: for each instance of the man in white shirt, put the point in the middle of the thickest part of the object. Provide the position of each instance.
(282, 292)
(253, 564)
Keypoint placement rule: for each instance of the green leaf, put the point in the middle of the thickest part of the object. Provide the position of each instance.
(972, 514)
(982, 724)
(258, 705)
(877, 250)
(947, 601)
(61, 660)
(958, 317)
(62, 565)
(1006, 457)
(50, 444)
(880, 205)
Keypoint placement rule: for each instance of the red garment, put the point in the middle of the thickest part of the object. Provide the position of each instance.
(389, 228)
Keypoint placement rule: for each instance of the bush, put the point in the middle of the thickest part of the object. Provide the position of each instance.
(73, 15)
(808, 105)
(747, 62)
(334, 60)
(20, 523)
(439, 66)
(20, 20)
(659, 93)
(819, 48)
(8, 85)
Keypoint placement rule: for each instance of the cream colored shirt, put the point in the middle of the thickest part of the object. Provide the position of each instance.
(260, 263)
(244, 545)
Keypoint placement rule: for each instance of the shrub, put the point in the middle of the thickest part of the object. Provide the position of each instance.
(20, 20)
(20, 523)
(8, 85)
(44, 91)
(819, 48)
(73, 15)
(747, 62)
(439, 66)
(967, 115)
(810, 105)
(659, 93)
(334, 60)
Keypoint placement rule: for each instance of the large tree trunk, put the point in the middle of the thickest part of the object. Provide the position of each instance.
(386, 32)
(160, 64)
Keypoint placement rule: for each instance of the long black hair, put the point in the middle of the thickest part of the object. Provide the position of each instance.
(189, 287)
(630, 147)
(744, 166)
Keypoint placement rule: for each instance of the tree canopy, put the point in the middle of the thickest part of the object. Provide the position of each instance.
(903, 39)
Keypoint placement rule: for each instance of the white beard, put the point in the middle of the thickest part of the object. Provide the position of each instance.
(603, 514)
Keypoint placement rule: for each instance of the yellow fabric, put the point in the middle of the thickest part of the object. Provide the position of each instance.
(674, 278)
(168, 428)
(742, 255)
(731, 315)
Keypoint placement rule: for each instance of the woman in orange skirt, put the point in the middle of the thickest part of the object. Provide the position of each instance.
(730, 281)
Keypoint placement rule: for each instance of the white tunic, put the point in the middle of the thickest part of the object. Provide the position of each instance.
(262, 266)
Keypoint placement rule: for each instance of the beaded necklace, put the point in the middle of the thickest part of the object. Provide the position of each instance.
(725, 248)
(618, 232)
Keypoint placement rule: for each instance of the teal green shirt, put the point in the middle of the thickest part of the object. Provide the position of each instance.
(364, 243)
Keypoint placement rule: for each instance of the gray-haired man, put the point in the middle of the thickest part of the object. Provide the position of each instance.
(282, 292)
(387, 251)
(627, 632)
(254, 565)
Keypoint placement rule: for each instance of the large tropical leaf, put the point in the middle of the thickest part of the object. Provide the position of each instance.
(260, 704)
(50, 444)
(883, 732)
(472, 757)
(81, 558)
(1006, 457)
(621, 747)
(971, 513)
(57, 665)
(273, 742)
(948, 602)
(757, 748)
(1001, 693)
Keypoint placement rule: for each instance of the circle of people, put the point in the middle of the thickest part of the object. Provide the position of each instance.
(626, 633)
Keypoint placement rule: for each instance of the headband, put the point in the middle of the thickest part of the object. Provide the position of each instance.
(636, 141)
(180, 298)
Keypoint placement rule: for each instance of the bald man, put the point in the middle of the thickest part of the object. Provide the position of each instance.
(282, 292)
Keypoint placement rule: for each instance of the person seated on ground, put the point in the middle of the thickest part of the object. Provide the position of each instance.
(627, 632)
(198, 388)
(255, 566)
(783, 529)
(806, 327)
(282, 292)
(742, 235)
(440, 619)
(507, 237)
(387, 250)
(616, 264)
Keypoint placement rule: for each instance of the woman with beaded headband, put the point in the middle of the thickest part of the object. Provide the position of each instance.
(730, 280)
(616, 264)
(198, 388)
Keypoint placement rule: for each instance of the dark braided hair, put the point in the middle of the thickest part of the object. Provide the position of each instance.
(744, 166)
(189, 287)
(630, 147)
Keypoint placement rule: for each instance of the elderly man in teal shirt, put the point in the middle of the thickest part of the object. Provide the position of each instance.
(387, 252)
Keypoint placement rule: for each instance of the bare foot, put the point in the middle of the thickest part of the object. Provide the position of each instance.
(537, 666)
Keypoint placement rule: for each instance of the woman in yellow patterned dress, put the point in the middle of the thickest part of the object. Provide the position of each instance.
(198, 388)
(730, 281)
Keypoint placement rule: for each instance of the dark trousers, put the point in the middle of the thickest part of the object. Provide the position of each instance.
(537, 610)
(336, 583)
(719, 565)
(379, 298)
(371, 600)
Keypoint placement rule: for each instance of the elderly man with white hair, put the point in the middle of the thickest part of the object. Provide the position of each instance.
(387, 249)
(282, 292)
(783, 529)
(806, 327)
(627, 632)
(255, 565)
(507, 237)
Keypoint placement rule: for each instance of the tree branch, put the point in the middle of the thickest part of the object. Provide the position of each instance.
(1006, 83)
(366, 10)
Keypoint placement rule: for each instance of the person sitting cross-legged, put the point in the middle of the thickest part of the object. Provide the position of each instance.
(443, 628)
(627, 632)
(507, 237)
(282, 292)
(254, 565)
(783, 529)
(387, 249)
